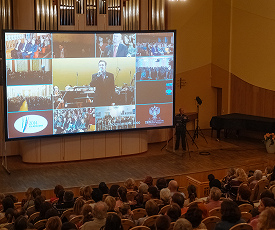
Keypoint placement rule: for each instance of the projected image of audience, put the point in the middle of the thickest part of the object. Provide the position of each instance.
(28, 45)
(29, 72)
(155, 44)
(114, 118)
(29, 98)
(74, 120)
(154, 68)
(69, 45)
(115, 45)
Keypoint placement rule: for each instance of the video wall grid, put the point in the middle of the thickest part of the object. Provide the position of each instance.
(64, 83)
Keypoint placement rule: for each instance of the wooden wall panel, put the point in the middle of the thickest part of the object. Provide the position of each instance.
(87, 147)
(250, 99)
(130, 143)
(72, 148)
(113, 145)
(51, 150)
(100, 145)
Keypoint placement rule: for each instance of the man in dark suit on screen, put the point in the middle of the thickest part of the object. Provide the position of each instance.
(104, 84)
(117, 49)
(181, 120)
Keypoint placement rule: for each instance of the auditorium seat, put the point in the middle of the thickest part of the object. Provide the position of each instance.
(139, 213)
(210, 222)
(127, 224)
(258, 189)
(246, 216)
(66, 214)
(215, 212)
(164, 209)
(40, 224)
(245, 207)
(242, 226)
(3, 220)
(150, 221)
(76, 219)
(171, 225)
(140, 228)
(33, 216)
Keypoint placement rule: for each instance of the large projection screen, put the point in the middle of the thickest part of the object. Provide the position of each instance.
(60, 83)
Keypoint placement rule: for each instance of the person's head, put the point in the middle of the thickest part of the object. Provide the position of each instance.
(39, 200)
(173, 186)
(21, 223)
(113, 190)
(60, 196)
(103, 188)
(230, 211)
(165, 195)
(161, 183)
(258, 174)
(143, 188)
(102, 66)
(111, 202)
(215, 193)
(174, 212)
(87, 193)
(194, 216)
(231, 172)
(139, 199)
(9, 214)
(44, 208)
(87, 212)
(181, 110)
(268, 170)
(182, 224)
(97, 195)
(117, 38)
(178, 198)
(122, 193)
(267, 193)
(163, 222)
(57, 188)
(125, 208)
(54, 223)
(28, 193)
(78, 205)
(51, 212)
(192, 192)
(148, 180)
(129, 184)
(113, 222)
(153, 192)
(241, 175)
(244, 192)
(151, 208)
(211, 177)
(68, 196)
(100, 210)
(36, 192)
(7, 202)
(267, 219)
(266, 202)
(68, 226)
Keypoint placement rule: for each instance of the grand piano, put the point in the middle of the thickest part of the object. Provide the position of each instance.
(238, 121)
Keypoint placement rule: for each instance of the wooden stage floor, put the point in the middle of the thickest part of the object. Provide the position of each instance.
(155, 162)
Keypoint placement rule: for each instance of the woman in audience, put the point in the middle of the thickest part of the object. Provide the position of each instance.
(243, 195)
(103, 188)
(192, 194)
(240, 177)
(182, 224)
(214, 201)
(78, 205)
(257, 176)
(165, 196)
(113, 191)
(111, 203)
(122, 192)
(56, 190)
(29, 200)
(130, 184)
(54, 223)
(151, 208)
(138, 201)
(174, 212)
(231, 215)
(148, 180)
(125, 210)
(143, 188)
(163, 223)
(87, 193)
(113, 222)
(87, 213)
(264, 203)
(267, 219)
(194, 215)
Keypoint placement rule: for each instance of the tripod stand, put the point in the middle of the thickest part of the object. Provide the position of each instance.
(198, 130)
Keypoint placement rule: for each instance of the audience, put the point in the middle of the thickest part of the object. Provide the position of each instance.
(194, 216)
(174, 212)
(267, 219)
(257, 176)
(87, 212)
(163, 223)
(113, 222)
(182, 224)
(111, 203)
(54, 223)
(214, 201)
(165, 196)
(151, 208)
(130, 184)
(243, 195)
(178, 198)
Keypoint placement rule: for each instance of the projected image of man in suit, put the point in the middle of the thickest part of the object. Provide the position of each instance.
(104, 84)
(117, 49)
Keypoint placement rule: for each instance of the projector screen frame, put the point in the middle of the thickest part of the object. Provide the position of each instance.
(5, 84)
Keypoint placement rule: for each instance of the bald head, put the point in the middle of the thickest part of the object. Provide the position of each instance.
(173, 186)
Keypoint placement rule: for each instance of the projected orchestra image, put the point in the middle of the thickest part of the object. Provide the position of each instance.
(28, 45)
(93, 85)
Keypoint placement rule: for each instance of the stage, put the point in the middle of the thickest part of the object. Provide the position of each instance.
(232, 152)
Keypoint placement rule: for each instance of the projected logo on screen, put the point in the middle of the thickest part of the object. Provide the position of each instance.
(30, 124)
(155, 120)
